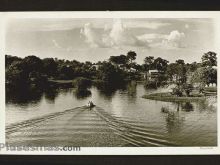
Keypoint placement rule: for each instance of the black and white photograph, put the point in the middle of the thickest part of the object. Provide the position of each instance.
(111, 82)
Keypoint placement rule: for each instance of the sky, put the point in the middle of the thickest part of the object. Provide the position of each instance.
(97, 39)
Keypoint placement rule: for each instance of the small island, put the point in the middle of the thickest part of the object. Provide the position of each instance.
(168, 97)
(196, 84)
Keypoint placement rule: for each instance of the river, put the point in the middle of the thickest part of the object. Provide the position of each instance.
(185, 124)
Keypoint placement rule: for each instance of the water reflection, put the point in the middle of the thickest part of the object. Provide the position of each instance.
(210, 104)
(23, 95)
(182, 106)
(174, 122)
(65, 91)
(187, 107)
(51, 94)
(108, 90)
(82, 94)
(174, 119)
(132, 91)
(131, 88)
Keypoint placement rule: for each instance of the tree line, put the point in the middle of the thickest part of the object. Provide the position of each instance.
(33, 70)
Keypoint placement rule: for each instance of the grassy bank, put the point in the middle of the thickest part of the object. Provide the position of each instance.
(210, 89)
(167, 97)
(61, 83)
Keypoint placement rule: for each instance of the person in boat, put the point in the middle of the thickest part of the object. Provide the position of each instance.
(90, 105)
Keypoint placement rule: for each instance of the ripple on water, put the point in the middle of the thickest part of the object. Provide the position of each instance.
(133, 133)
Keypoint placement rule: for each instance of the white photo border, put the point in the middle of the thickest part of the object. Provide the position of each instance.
(5, 16)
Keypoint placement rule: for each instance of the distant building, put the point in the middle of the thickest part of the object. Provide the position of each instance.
(132, 70)
(153, 74)
(214, 67)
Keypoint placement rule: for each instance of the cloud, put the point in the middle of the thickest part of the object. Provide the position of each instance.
(145, 24)
(121, 35)
(152, 37)
(186, 26)
(92, 37)
(107, 27)
(117, 36)
(56, 44)
(174, 40)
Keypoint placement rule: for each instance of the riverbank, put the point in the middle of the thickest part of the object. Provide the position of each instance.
(61, 83)
(168, 97)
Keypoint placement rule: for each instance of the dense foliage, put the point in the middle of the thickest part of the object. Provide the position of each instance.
(116, 70)
(82, 83)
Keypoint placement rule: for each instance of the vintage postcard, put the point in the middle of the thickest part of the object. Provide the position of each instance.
(87, 83)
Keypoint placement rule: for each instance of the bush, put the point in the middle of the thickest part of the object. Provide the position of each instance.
(177, 91)
(188, 89)
(201, 89)
(82, 83)
(151, 84)
(163, 83)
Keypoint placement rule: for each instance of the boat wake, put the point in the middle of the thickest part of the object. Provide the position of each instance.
(135, 134)
(82, 120)
(15, 126)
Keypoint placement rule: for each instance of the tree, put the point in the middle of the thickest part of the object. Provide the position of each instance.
(188, 89)
(137, 67)
(82, 83)
(75, 63)
(122, 59)
(180, 62)
(66, 72)
(17, 74)
(177, 71)
(209, 59)
(181, 71)
(131, 56)
(110, 74)
(213, 75)
(204, 76)
(49, 66)
(172, 71)
(25, 72)
(148, 63)
(177, 91)
(160, 64)
(10, 59)
(193, 66)
(33, 63)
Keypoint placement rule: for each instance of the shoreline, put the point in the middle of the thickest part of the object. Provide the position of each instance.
(167, 97)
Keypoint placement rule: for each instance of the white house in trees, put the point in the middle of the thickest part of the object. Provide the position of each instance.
(152, 74)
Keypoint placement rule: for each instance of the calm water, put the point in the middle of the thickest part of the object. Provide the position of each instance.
(185, 124)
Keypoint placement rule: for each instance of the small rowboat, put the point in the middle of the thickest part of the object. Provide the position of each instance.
(90, 105)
